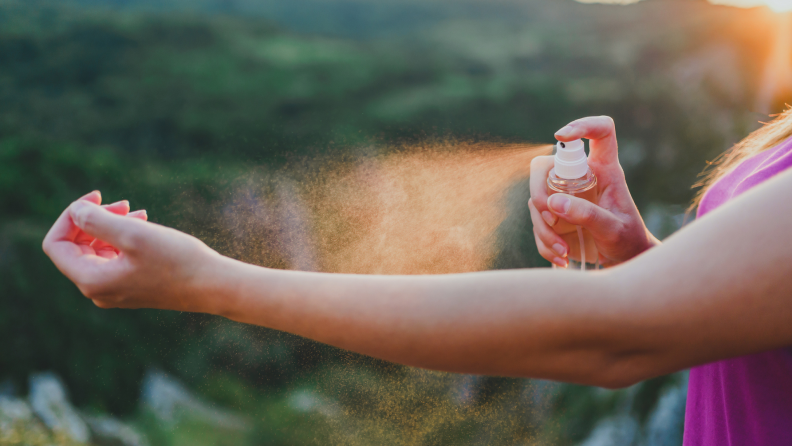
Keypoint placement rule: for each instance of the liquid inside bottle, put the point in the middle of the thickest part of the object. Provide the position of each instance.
(583, 252)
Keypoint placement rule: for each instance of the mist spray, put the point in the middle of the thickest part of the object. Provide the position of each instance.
(571, 175)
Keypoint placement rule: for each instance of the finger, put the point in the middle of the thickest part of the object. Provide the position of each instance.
(81, 267)
(546, 234)
(139, 214)
(64, 228)
(540, 168)
(93, 197)
(108, 251)
(549, 218)
(601, 223)
(121, 232)
(549, 255)
(119, 208)
(601, 131)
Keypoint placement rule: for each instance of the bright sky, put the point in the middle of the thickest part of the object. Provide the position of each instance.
(775, 5)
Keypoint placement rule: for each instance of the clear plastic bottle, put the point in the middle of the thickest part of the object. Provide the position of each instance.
(571, 175)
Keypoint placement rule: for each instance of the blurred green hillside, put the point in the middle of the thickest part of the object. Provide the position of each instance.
(176, 105)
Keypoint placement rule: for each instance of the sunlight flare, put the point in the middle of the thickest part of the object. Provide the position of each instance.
(775, 5)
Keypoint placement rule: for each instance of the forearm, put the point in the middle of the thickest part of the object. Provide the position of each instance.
(539, 323)
(718, 288)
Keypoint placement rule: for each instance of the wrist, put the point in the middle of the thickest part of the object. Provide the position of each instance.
(214, 285)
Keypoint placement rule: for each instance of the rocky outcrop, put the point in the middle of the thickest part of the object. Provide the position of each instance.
(48, 418)
(663, 425)
(49, 401)
(108, 431)
(18, 424)
(666, 422)
(617, 430)
(170, 401)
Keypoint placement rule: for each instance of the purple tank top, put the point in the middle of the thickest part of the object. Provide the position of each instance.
(745, 400)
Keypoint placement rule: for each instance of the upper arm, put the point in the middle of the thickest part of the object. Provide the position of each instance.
(719, 288)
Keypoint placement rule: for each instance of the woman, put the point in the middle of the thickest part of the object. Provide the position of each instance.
(720, 288)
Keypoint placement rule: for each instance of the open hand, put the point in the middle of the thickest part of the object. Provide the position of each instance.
(615, 224)
(118, 259)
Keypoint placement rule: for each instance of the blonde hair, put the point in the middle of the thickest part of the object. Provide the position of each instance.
(767, 137)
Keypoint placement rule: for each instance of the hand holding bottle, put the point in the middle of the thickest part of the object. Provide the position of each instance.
(615, 224)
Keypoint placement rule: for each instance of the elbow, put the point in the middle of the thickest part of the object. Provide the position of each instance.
(617, 382)
(595, 367)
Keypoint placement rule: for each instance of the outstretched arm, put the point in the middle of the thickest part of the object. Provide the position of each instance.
(720, 287)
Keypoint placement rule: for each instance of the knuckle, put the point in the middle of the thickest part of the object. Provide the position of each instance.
(540, 162)
(541, 227)
(542, 248)
(539, 202)
(532, 208)
(92, 289)
(89, 291)
(102, 304)
(538, 199)
(534, 166)
(133, 240)
(88, 223)
(541, 245)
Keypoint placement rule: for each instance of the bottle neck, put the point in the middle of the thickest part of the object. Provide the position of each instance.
(574, 186)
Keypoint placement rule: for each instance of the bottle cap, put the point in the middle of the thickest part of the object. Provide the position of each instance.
(570, 160)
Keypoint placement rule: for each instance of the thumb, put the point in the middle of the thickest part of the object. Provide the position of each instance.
(105, 225)
(578, 211)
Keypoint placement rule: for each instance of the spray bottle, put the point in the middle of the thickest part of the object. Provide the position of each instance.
(571, 175)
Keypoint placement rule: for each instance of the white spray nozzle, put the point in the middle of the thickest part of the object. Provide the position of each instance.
(570, 160)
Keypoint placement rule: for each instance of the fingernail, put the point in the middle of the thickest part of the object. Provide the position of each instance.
(549, 218)
(565, 131)
(559, 248)
(559, 203)
(560, 262)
